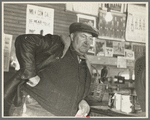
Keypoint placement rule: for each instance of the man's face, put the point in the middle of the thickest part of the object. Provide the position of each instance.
(81, 41)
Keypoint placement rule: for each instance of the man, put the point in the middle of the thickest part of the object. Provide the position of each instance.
(140, 81)
(59, 78)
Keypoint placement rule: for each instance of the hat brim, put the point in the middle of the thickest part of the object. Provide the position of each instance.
(81, 27)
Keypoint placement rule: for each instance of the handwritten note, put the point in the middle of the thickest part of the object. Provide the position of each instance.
(39, 20)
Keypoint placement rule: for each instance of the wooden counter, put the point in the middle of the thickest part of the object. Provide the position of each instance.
(101, 109)
(104, 111)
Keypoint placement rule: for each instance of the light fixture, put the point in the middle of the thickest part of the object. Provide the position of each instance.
(108, 16)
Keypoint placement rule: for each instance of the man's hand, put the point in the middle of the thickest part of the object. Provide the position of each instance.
(33, 81)
(84, 108)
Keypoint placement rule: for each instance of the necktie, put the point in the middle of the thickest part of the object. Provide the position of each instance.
(82, 59)
(83, 63)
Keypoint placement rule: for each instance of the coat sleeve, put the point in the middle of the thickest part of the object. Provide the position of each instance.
(27, 46)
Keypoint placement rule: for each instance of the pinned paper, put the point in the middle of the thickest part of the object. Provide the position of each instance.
(39, 20)
(118, 48)
(129, 54)
(109, 52)
(100, 47)
(121, 62)
(7, 50)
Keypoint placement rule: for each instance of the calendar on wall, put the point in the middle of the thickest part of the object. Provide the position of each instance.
(113, 30)
(136, 24)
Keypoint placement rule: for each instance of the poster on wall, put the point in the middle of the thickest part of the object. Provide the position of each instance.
(39, 20)
(109, 52)
(128, 46)
(136, 24)
(86, 19)
(109, 49)
(83, 7)
(7, 50)
(118, 48)
(113, 30)
(115, 7)
(121, 62)
(100, 47)
(129, 54)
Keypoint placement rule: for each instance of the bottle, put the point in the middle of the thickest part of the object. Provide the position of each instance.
(110, 100)
(117, 87)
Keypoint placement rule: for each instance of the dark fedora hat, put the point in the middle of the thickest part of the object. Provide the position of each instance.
(82, 27)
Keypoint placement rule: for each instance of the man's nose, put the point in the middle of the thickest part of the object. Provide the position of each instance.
(87, 42)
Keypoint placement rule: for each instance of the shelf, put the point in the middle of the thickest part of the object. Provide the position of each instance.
(105, 60)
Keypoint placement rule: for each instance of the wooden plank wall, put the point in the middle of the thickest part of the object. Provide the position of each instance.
(15, 19)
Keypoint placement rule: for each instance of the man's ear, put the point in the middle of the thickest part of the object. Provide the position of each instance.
(71, 36)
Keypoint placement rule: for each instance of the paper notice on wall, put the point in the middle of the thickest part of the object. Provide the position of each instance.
(85, 7)
(39, 20)
(7, 50)
(129, 54)
(121, 62)
(109, 52)
(118, 48)
(100, 47)
(136, 23)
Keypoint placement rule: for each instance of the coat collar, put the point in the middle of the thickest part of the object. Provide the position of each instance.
(67, 45)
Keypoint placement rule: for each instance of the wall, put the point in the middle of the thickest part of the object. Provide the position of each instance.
(15, 19)
(15, 24)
